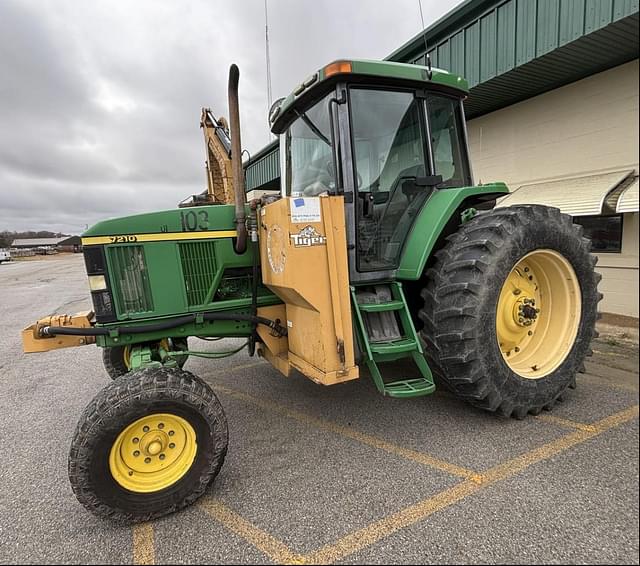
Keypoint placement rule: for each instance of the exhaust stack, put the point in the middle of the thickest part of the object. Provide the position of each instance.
(236, 159)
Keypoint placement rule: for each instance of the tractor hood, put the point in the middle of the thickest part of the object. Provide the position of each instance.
(164, 225)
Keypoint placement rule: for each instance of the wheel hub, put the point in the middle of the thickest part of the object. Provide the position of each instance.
(153, 453)
(538, 313)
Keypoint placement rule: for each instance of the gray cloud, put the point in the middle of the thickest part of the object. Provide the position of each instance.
(100, 101)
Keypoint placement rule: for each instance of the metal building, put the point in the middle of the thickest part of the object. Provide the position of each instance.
(552, 111)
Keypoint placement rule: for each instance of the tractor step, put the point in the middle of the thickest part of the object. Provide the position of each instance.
(381, 307)
(409, 388)
(386, 333)
(394, 347)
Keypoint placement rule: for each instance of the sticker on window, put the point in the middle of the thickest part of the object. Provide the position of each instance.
(305, 209)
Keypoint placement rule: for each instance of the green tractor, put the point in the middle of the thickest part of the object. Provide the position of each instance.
(378, 248)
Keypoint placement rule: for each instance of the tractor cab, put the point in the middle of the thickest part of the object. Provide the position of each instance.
(363, 146)
(383, 135)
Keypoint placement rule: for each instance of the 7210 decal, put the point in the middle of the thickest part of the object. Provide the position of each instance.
(123, 239)
(193, 220)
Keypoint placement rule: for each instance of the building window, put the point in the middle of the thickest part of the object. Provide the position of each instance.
(605, 232)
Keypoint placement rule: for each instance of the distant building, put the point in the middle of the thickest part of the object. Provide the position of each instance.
(63, 244)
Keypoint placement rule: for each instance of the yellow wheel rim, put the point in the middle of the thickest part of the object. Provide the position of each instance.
(153, 453)
(538, 314)
(126, 357)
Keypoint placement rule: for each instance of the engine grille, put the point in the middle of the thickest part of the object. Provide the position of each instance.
(199, 269)
(131, 279)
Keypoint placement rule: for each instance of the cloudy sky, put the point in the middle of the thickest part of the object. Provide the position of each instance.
(100, 100)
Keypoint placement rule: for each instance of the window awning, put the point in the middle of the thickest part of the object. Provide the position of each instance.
(577, 196)
(628, 201)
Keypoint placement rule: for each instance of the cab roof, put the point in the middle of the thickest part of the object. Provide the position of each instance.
(361, 70)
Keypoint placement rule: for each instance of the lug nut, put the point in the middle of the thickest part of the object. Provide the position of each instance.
(161, 425)
(530, 333)
(161, 456)
(526, 270)
(136, 440)
(171, 433)
(517, 291)
(517, 349)
(130, 473)
(136, 453)
(145, 429)
(147, 460)
(172, 445)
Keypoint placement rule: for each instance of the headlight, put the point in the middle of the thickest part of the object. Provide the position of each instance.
(97, 283)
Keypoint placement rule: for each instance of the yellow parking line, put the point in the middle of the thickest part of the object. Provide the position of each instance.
(380, 444)
(601, 381)
(276, 550)
(279, 552)
(614, 354)
(144, 551)
(381, 529)
(566, 423)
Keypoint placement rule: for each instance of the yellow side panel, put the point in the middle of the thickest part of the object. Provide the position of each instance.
(303, 252)
(274, 348)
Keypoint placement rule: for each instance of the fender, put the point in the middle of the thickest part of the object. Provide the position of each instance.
(433, 219)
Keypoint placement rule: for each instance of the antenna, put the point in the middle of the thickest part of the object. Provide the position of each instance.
(424, 36)
(266, 48)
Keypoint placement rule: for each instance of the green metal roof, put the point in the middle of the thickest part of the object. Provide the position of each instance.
(263, 168)
(511, 50)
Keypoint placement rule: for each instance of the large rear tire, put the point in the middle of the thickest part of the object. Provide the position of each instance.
(510, 308)
(149, 444)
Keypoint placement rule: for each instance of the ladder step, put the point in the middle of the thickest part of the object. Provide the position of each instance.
(395, 347)
(381, 307)
(396, 338)
(409, 388)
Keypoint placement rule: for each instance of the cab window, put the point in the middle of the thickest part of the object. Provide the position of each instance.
(310, 153)
(447, 141)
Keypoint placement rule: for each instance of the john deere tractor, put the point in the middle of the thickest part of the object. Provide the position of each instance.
(379, 247)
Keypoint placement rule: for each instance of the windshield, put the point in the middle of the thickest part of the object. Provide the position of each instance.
(310, 153)
(389, 149)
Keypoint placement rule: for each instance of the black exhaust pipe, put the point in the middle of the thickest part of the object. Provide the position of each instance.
(236, 159)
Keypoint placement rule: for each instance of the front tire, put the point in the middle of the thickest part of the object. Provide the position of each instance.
(510, 309)
(148, 445)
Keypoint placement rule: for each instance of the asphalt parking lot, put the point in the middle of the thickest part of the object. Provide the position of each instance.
(324, 475)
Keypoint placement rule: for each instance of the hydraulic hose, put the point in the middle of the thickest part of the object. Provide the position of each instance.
(164, 325)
